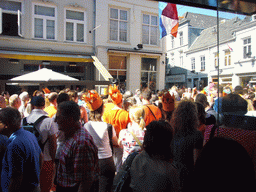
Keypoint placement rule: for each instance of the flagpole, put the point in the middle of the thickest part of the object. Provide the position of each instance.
(218, 50)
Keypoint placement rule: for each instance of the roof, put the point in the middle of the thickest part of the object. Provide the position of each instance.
(208, 36)
(198, 20)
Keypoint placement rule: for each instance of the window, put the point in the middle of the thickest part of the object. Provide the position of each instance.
(202, 58)
(149, 29)
(247, 47)
(45, 22)
(181, 38)
(227, 57)
(172, 42)
(75, 26)
(148, 73)
(216, 60)
(193, 67)
(10, 18)
(117, 68)
(181, 61)
(172, 62)
(118, 25)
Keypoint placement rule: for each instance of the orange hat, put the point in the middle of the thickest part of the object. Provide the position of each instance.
(168, 101)
(115, 94)
(93, 101)
(46, 90)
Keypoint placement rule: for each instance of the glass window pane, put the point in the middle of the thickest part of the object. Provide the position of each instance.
(245, 41)
(10, 5)
(145, 30)
(50, 29)
(123, 26)
(153, 40)
(153, 20)
(80, 32)
(145, 19)
(249, 49)
(69, 31)
(249, 40)
(123, 36)
(123, 15)
(75, 15)
(145, 39)
(153, 31)
(114, 13)
(113, 25)
(117, 62)
(148, 64)
(113, 35)
(38, 28)
(48, 11)
(245, 52)
(144, 78)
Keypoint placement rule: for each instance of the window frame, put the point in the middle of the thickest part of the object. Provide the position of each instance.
(173, 43)
(227, 58)
(193, 63)
(19, 14)
(152, 69)
(181, 38)
(150, 25)
(247, 45)
(216, 58)
(181, 61)
(75, 22)
(45, 18)
(116, 69)
(202, 62)
(118, 25)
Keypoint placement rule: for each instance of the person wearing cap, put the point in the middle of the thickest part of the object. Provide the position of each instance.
(118, 118)
(99, 132)
(52, 108)
(152, 112)
(48, 130)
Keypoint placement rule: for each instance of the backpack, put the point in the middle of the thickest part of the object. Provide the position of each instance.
(31, 127)
(123, 177)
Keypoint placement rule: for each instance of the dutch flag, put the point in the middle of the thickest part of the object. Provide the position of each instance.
(169, 20)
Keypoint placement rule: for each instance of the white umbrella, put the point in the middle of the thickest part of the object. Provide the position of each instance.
(44, 75)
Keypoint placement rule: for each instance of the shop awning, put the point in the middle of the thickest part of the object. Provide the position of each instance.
(103, 71)
(44, 56)
(56, 57)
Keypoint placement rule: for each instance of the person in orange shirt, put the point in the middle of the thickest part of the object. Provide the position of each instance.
(52, 108)
(152, 112)
(118, 118)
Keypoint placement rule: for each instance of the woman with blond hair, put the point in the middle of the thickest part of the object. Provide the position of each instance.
(131, 139)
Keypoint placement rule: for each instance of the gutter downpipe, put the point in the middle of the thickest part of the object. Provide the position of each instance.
(94, 32)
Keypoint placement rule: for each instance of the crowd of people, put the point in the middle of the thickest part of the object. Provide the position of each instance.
(186, 139)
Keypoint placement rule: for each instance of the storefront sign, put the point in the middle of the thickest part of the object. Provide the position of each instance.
(175, 78)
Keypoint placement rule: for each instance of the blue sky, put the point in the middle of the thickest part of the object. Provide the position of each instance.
(182, 9)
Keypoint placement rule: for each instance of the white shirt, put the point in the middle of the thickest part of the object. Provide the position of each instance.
(99, 132)
(46, 128)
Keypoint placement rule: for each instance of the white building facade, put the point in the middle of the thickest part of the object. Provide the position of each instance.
(66, 35)
(127, 42)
